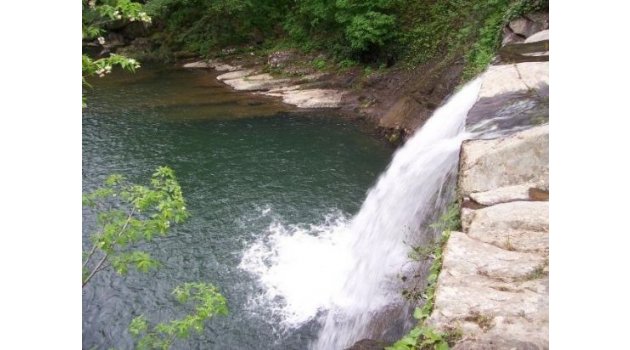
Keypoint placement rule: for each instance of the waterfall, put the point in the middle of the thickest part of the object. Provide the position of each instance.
(341, 272)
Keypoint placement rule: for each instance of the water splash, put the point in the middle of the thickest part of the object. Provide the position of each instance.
(342, 270)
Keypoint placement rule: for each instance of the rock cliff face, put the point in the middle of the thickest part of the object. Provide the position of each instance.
(494, 284)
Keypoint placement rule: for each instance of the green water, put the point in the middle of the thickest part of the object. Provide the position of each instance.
(243, 162)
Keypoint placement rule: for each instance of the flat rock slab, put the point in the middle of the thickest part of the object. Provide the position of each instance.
(492, 295)
(313, 98)
(540, 36)
(519, 226)
(257, 82)
(511, 78)
(504, 194)
(236, 74)
(218, 66)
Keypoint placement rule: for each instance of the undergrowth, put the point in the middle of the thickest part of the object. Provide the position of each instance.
(450, 29)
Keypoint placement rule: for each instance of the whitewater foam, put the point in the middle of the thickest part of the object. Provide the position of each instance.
(341, 270)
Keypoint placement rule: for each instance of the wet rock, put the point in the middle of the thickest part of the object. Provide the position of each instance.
(509, 37)
(368, 344)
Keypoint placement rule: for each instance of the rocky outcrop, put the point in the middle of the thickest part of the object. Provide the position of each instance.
(494, 284)
(527, 25)
(502, 170)
(512, 97)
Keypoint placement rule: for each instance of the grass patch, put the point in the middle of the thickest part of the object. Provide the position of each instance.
(539, 272)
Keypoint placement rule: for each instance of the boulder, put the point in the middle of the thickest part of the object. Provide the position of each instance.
(525, 27)
(517, 226)
(522, 158)
(540, 18)
(509, 37)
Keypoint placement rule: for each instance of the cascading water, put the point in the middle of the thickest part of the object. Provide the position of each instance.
(342, 271)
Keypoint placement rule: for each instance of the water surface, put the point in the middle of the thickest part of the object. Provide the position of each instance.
(244, 163)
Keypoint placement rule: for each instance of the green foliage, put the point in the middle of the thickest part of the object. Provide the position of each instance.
(203, 25)
(450, 29)
(370, 30)
(343, 28)
(346, 63)
(98, 14)
(319, 64)
(450, 220)
(128, 214)
(423, 337)
(208, 303)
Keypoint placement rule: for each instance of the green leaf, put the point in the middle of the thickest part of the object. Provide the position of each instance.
(417, 313)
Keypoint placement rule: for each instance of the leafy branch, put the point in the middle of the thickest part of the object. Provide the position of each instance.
(209, 302)
(95, 16)
(129, 214)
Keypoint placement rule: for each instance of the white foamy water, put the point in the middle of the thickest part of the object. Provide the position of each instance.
(344, 268)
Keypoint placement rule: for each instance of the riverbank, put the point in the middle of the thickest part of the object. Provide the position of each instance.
(394, 96)
(380, 98)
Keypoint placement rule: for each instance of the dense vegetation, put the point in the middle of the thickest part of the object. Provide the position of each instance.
(367, 31)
